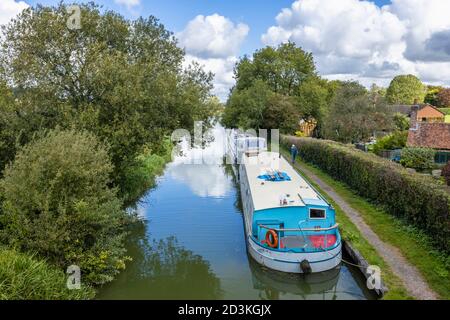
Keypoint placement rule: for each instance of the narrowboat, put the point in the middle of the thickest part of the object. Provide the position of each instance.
(239, 143)
(289, 226)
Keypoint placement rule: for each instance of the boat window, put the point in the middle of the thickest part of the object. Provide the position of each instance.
(317, 214)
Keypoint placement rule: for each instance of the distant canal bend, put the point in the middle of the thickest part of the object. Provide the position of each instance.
(191, 244)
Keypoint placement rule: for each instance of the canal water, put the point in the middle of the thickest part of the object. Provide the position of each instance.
(191, 245)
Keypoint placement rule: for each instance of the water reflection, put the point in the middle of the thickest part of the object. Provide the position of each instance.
(198, 167)
(163, 269)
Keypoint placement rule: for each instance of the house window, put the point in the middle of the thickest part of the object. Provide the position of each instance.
(317, 214)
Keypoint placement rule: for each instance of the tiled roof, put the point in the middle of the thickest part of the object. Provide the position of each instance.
(430, 135)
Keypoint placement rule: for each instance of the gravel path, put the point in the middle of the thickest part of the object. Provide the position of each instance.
(410, 276)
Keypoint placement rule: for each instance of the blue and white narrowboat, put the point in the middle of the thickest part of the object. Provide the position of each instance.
(289, 226)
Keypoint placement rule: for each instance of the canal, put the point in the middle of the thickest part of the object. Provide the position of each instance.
(191, 245)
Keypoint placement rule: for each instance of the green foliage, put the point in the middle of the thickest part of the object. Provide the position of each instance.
(140, 176)
(283, 68)
(269, 92)
(122, 80)
(446, 173)
(418, 158)
(405, 89)
(419, 199)
(432, 95)
(443, 98)
(401, 122)
(396, 140)
(57, 203)
(26, 277)
(353, 116)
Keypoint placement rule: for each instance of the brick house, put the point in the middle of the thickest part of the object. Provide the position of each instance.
(428, 128)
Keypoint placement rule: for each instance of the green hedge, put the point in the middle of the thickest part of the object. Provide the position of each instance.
(417, 198)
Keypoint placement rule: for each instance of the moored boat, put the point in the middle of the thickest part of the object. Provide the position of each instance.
(289, 226)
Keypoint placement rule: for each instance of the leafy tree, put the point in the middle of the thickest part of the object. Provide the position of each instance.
(443, 98)
(405, 89)
(313, 98)
(353, 116)
(122, 80)
(280, 113)
(274, 89)
(245, 108)
(57, 203)
(283, 68)
(401, 122)
(432, 95)
(418, 158)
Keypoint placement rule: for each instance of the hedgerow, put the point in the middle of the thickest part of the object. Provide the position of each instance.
(418, 199)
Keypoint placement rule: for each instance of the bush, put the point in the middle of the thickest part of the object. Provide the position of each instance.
(418, 158)
(446, 173)
(418, 199)
(57, 203)
(397, 140)
(25, 277)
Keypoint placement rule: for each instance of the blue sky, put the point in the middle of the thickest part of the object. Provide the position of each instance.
(175, 14)
(371, 41)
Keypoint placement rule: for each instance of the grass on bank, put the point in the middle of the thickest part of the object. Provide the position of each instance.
(25, 277)
(413, 244)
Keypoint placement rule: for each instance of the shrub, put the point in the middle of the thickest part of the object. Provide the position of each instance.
(57, 203)
(418, 199)
(446, 173)
(418, 158)
(25, 277)
(397, 140)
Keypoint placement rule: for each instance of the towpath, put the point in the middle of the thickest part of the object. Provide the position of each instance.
(409, 275)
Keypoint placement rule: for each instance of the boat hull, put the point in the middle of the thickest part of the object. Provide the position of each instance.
(290, 261)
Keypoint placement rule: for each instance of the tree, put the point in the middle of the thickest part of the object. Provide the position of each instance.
(405, 89)
(443, 98)
(401, 122)
(280, 113)
(353, 116)
(245, 108)
(313, 98)
(269, 90)
(57, 203)
(282, 68)
(432, 95)
(122, 80)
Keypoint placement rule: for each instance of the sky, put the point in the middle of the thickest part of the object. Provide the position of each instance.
(368, 41)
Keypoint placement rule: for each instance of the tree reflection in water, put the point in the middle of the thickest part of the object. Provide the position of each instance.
(162, 269)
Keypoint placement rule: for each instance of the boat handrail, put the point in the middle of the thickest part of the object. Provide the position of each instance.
(293, 230)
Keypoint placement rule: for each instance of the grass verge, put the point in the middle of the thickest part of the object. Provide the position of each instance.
(25, 277)
(414, 245)
(350, 232)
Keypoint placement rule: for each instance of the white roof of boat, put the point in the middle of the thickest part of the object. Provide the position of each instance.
(267, 194)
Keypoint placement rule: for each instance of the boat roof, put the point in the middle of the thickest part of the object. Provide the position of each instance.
(267, 194)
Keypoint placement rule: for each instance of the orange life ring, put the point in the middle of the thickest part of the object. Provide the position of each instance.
(272, 238)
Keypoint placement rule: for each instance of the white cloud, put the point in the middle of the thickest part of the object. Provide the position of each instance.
(213, 36)
(359, 40)
(128, 3)
(9, 9)
(214, 42)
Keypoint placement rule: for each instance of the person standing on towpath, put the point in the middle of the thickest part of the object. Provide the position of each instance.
(294, 153)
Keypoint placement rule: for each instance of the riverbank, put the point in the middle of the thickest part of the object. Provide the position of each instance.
(412, 245)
